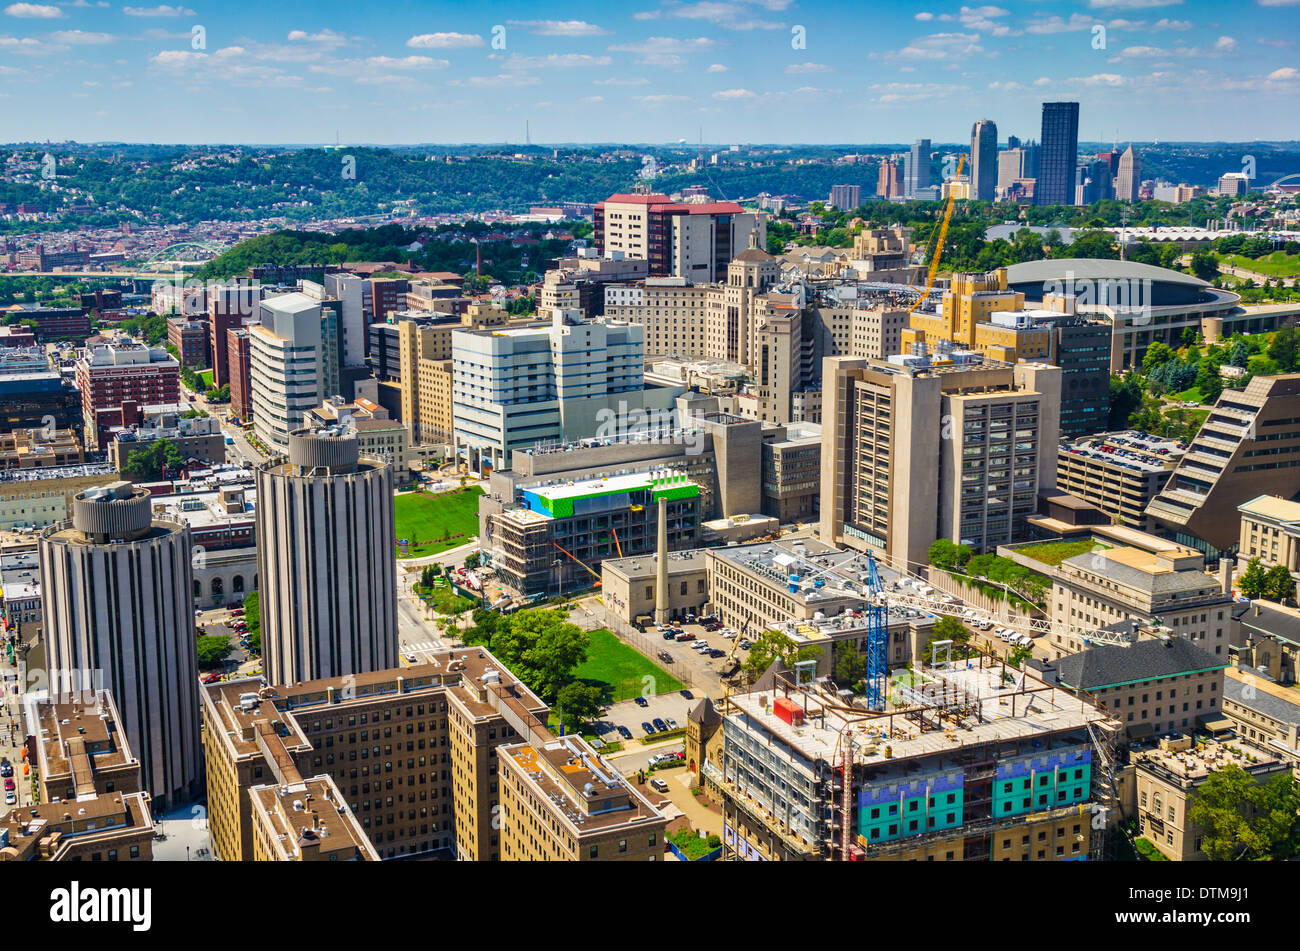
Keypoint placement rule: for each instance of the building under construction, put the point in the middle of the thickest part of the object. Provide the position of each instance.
(553, 538)
(971, 760)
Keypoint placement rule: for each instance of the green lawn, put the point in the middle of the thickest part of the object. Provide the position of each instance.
(620, 670)
(434, 523)
(1053, 553)
(445, 600)
(1277, 264)
(1190, 395)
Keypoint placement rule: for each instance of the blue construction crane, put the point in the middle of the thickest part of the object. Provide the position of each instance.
(877, 639)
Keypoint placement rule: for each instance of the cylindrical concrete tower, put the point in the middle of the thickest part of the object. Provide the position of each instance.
(326, 560)
(118, 601)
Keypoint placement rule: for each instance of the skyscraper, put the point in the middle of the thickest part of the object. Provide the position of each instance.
(918, 168)
(1060, 153)
(325, 544)
(984, 159)
(1129, 178)
(889, 184)
(118, 601)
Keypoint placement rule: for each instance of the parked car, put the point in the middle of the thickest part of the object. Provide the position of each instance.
(649, 730)
(9, 784)
(686, 636)
(6, 770)
(238, 612)
(660, 725)
(642, 701)
(672, 725)
(210, 678)
(666, 657)
(670, 635)
(658, 785)
(745, 644)
(11, 799)
(624, 732)
(688, 695)
(717, 653)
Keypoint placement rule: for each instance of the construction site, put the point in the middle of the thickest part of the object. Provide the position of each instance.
(965, 760)
(555, 537)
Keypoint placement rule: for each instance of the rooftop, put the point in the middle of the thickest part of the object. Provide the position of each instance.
(1113, 666)
(1272, 507)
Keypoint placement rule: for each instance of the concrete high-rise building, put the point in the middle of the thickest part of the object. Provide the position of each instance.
(118, 603)
(1129, 177)
(230, 306)
(1011, 165)
(889, 183)
(325, 548)
(1248, 446)
(913, 453)
(114, 375)
(918, 168)
(845, 197)
(680, 239)
(1060, 154)
(984, 159)
(294, 366)
(513, 389)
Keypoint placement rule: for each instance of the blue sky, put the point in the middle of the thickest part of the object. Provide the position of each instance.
(644, 71)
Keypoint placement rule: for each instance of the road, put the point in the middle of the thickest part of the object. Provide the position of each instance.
(12, 733)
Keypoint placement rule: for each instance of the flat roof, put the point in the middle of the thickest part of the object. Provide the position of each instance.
(1272, 506)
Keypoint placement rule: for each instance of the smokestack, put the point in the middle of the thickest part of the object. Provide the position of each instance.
(661, 569)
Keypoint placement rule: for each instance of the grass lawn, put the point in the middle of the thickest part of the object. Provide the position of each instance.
(619, 670)
(434, 523)
(445, 600)
(1277, 264)
(1191, 395)
(1053, 553)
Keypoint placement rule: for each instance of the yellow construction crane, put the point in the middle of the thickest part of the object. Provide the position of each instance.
(938, 248)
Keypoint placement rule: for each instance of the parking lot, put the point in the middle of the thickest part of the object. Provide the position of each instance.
(630, 714)
(702, 667)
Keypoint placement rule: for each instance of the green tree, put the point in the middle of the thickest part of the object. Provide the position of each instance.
(153, 461)
(472, 560)
(850, 663)
(1278, 584)
(1205, 265)
(1253, 579)
(253, 618)
(1157, 355)
(542, 647)
(578, 703)
(1283, 348)
(1019, 654)
(1240, 818)
(772, 645)
(947, 628)
(213, 649)
(1125, 397)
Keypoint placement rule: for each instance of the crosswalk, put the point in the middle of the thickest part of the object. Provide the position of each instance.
(421, 647)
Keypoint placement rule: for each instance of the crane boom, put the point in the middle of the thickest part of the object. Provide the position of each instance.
(938, 247)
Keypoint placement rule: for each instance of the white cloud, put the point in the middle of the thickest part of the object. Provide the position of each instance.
(1225, 44)
(939, 46)
(1131, 4)
(82, 38)
(493, 82)
(716, 68)
(665, 51)
(34, 11)
(728, 16)
(592, 99)
(445, 41)
(407, 62)
(560, 27)
(925, 17)
(28, 45)
(326, 38)
(658, 98)
(798, 69)
(647, 15)
(735, 94)
(642, 81)
(911, 92)
(163, 10)
(1285, 74)
(1164, 23)
(555, 60)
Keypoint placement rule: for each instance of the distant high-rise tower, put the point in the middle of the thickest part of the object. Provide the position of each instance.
(1013, 142)
(890, 182)
(325, 560)
(918, 168)
(1060, 154)
(984, 160)
(1129, 178)
(118, 601)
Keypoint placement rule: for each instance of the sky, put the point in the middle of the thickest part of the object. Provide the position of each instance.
(644, 71)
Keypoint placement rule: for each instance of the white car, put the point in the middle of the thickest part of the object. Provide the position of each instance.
(985, 625)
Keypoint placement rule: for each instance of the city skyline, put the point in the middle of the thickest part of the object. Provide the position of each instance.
(1142, 70)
